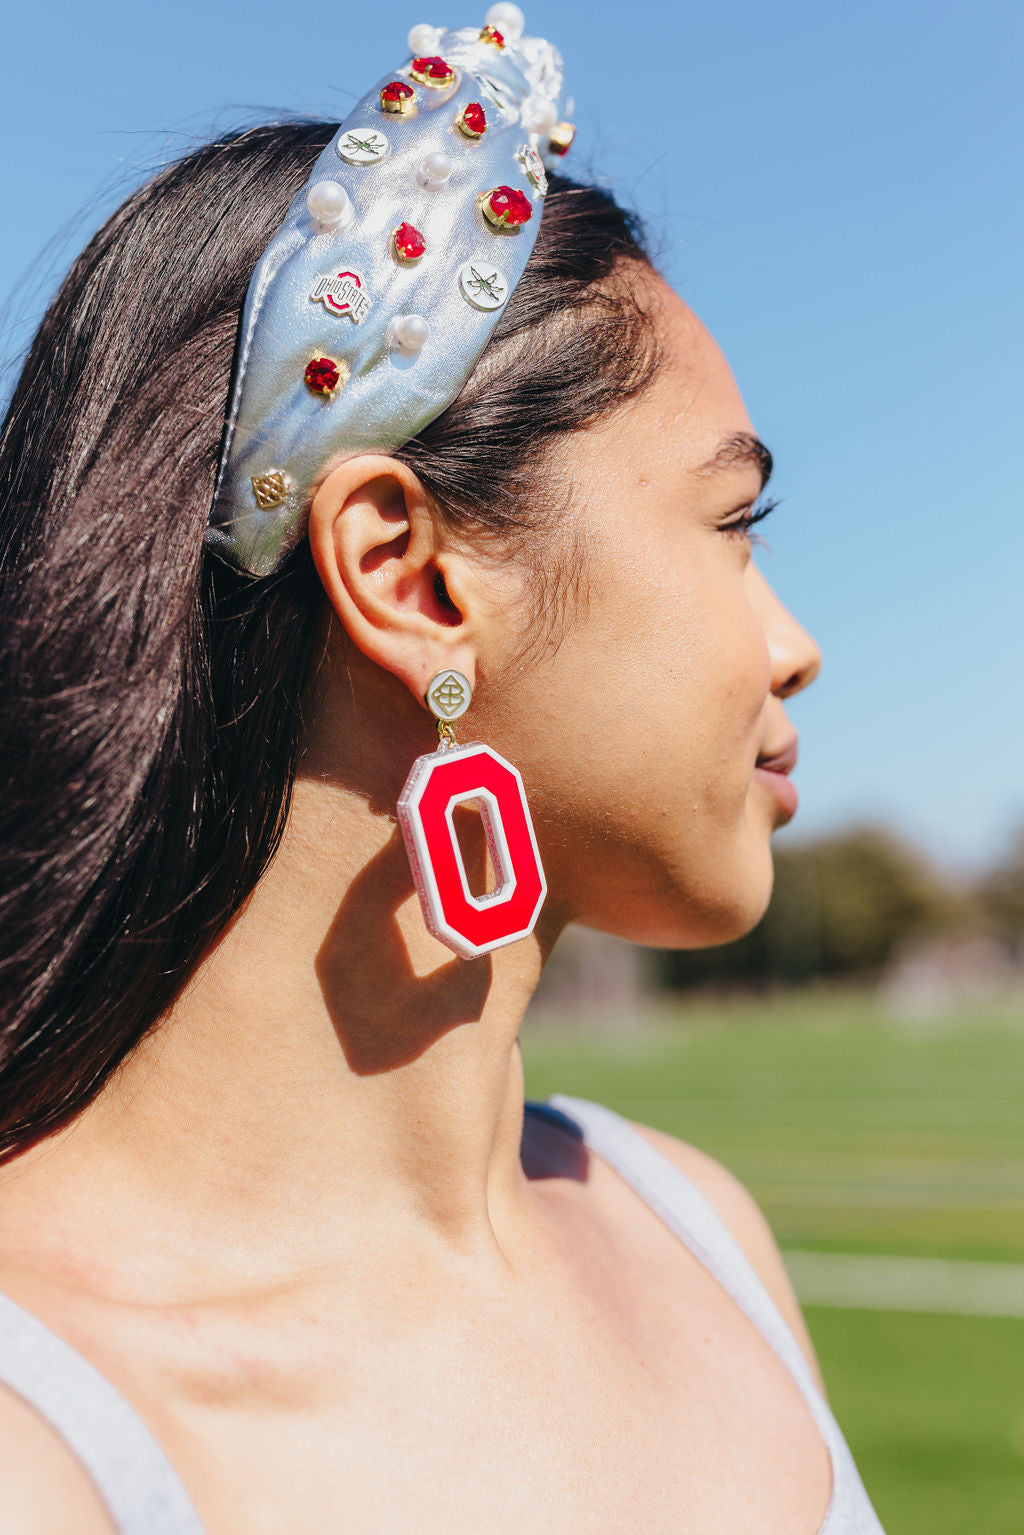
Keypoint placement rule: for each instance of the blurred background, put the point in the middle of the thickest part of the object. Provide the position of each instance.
(837, 192)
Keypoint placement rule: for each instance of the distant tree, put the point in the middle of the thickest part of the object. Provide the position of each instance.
(838, 906)
(1001, 893)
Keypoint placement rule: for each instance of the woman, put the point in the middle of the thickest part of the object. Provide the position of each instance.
(281, 1248)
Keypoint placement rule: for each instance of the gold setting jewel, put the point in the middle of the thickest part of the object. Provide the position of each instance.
(270, 489)
(432, 70)
(471, 120)
(397, 97)
(325, 375)
(560, 138)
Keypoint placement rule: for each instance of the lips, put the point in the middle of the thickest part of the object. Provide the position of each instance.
(781, 761)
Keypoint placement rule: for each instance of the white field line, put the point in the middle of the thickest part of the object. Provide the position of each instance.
(866, 1282)
(885, 1198)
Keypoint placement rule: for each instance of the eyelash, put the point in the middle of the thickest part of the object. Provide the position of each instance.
(746, 522)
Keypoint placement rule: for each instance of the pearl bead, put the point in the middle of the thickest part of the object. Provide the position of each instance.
(423, 39)
(437, 167)
(329, 204)
(539, 114)
(508, 19)
(410, 332)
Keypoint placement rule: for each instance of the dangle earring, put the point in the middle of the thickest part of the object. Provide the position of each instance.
(474, 775)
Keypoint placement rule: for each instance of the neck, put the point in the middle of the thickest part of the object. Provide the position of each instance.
(330, 1075)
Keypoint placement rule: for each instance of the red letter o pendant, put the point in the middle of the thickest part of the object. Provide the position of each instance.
(467, 923)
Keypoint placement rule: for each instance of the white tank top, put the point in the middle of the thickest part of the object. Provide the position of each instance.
(143, 1493)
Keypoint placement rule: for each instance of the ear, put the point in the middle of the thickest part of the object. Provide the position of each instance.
(411, 604)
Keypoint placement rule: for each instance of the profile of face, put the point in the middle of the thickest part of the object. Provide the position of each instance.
(637, 709)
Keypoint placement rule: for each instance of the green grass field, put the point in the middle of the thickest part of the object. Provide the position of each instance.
(858, 1133)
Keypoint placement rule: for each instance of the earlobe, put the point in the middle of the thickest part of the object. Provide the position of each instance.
(378, 550)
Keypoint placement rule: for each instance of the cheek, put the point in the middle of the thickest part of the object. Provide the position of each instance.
(648, 713)
(691, 664)
(636, 737)
(729, 681)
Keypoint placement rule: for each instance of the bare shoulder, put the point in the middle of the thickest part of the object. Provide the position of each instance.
(46, 1491)
(745, 1219)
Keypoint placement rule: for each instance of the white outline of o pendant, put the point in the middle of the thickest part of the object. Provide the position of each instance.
(474, 774)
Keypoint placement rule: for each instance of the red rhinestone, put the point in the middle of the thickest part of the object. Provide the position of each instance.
(409, 242)
(492, 35)
(434, 68)
(322, 375)
(508, 206)
(474, 117)
(397, 90)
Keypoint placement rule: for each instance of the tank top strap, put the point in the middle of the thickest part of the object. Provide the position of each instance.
(142, 1492)
(687, 1212)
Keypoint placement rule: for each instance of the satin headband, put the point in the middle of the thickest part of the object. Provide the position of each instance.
(371, 305)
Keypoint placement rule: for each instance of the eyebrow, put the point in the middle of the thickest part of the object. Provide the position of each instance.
(738, 451)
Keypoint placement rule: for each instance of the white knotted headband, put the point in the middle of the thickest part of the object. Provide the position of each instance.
(371, 305)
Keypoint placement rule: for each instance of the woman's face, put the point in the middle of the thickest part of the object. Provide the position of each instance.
(637, 735)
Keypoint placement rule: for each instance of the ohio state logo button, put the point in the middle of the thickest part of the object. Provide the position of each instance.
(363, 146)
(343, 293)
(476, 775)
(483, 284)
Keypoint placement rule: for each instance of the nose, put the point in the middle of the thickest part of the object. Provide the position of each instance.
(795, 657)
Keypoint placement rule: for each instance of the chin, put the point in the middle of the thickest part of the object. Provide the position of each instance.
(696, 907)
(723, 903)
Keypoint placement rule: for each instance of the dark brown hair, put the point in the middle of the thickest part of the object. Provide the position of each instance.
(151, 698)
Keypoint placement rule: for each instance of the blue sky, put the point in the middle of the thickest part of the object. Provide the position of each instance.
(837, 192)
